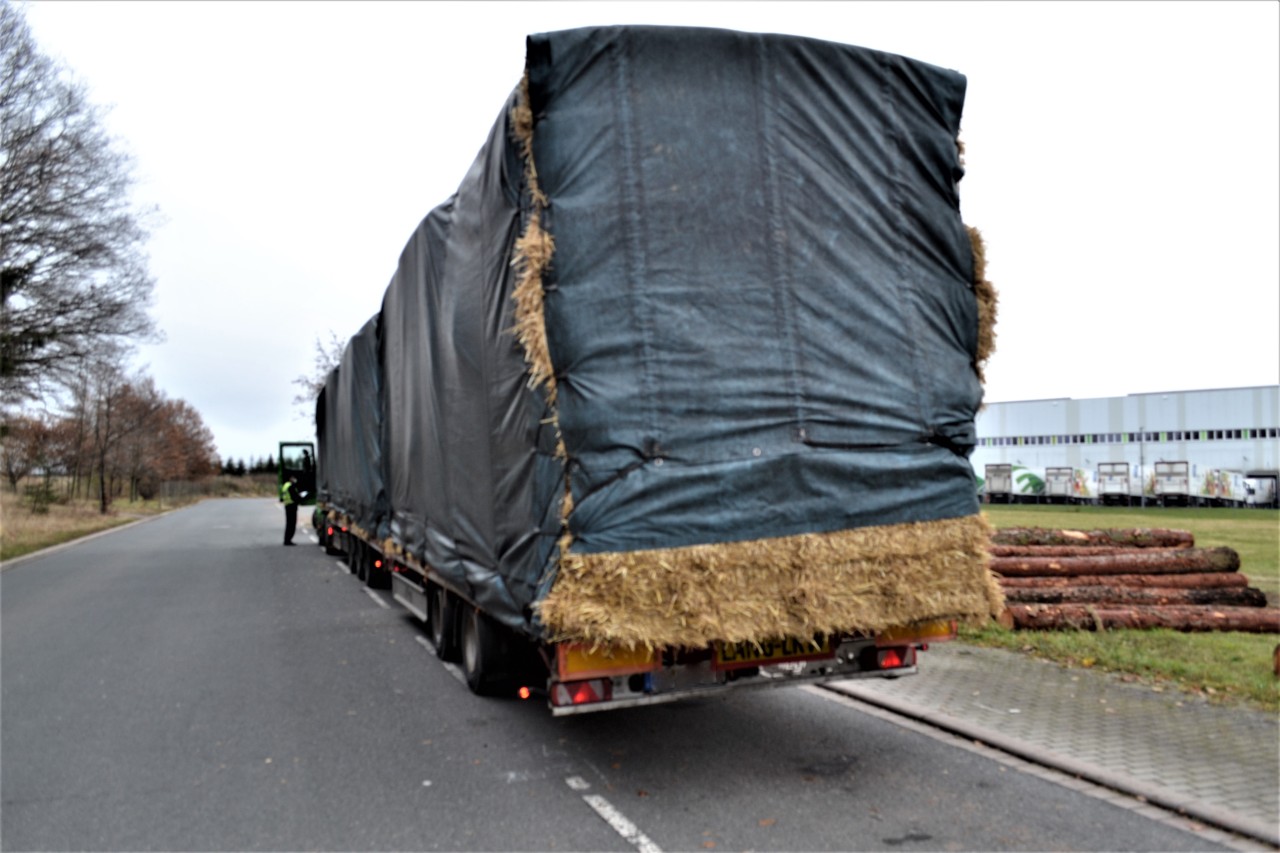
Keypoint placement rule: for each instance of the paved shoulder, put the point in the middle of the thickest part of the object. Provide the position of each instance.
(1220, 764)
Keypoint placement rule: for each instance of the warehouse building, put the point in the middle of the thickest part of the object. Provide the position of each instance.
(1226, 434)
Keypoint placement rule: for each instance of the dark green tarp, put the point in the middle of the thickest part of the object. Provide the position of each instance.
(760, 310)
(351, 453)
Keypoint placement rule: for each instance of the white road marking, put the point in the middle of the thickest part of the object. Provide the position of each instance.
(377, 598)
(343, 566)
(628, 830)
(449, 668)
(613, 817)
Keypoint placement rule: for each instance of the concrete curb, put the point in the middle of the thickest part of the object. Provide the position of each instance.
(1122, 782)
(53, 549)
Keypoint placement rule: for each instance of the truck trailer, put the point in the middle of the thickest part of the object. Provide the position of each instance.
(676, 393)
(1114, 485)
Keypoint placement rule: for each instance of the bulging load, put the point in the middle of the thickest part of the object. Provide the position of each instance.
(694, 352)
(676, 393)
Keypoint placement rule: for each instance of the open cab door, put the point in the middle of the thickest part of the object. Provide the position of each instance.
(298, 459)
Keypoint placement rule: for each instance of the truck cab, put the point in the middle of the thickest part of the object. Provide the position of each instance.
(298, 459)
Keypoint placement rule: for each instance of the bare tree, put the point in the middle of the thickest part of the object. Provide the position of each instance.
(119, 407)
(328, 355)
(19, 447)
(73, 270)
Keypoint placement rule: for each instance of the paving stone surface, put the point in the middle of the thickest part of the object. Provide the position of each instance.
(1224, 757)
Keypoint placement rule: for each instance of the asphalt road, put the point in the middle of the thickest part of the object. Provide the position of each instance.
(189, 684)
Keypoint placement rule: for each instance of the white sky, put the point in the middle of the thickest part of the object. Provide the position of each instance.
(1123, 164)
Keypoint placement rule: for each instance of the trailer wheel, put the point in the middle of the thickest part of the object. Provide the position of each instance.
(442, 609)
(485, 655)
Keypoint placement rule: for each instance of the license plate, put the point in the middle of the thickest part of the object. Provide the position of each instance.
(768, 652)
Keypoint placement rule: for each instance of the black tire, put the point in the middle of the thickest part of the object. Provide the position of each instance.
(486, 656)
(363, 560)
(442, 609)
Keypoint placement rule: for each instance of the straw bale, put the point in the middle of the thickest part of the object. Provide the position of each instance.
(987, 298)
(867, 578)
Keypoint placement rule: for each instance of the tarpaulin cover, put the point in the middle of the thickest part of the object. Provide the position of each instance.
(326, 410)
(760, 310)
(472, 484)
(351, 453)
(774, 298)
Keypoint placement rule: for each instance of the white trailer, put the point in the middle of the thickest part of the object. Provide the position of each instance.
(1114, 485)
(1173, 483)
(998, 483)
(1059, 484)
(1219, 487)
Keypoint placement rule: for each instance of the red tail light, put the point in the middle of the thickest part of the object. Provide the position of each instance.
(330, 533)
(377, 564)
(582, 692)
(524, 693)
(896, 657)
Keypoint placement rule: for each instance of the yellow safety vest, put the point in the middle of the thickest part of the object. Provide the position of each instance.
(286, 494)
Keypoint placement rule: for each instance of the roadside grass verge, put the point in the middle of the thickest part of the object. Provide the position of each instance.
(23, 531)
(1219, 665)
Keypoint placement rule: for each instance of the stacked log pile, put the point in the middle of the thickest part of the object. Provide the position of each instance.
(1133, 578)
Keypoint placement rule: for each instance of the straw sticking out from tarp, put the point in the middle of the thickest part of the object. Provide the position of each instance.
(987, 298)
(533, 253)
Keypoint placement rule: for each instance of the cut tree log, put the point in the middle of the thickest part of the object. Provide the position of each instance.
(1159, 561)
(1070, 550)
(1094, 617)
(1128, 596)
(1136, 537)
(1201, 580)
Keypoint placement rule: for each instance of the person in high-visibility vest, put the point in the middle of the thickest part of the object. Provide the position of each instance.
(289, 497)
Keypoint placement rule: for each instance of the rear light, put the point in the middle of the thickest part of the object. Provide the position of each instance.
(377, 564)
(895, 658)
(582, 692)
(524, 693)
(330, 531)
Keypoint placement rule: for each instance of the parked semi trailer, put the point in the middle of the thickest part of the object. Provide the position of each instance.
(1114, 484)
(676, 394)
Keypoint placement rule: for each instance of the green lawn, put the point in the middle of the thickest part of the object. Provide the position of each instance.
(1224, 666)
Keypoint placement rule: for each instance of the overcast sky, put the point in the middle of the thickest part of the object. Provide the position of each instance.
(1123, 164)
